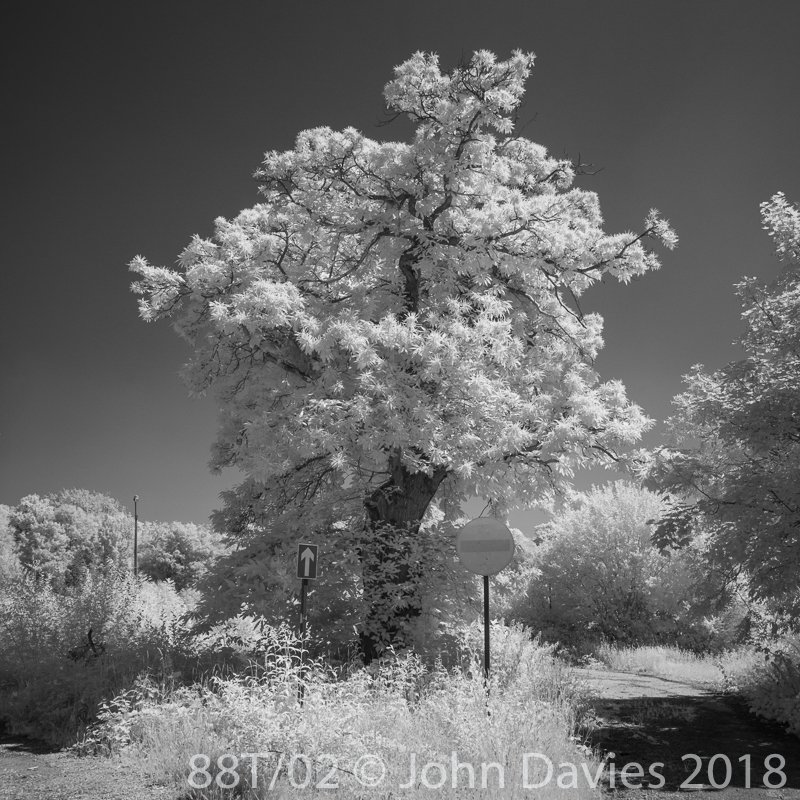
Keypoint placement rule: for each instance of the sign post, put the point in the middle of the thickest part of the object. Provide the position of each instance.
(135, 535)
(486, 628)
(485, 546)
(306, 571)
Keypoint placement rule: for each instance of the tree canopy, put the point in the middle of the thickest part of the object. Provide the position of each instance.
(396, 326)
(178, 551)
(733, 466)
(63, 534)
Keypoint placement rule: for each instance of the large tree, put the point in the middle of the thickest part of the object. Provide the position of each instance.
(733, 468)
(396, 325)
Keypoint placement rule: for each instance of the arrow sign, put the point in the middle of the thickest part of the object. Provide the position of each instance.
(307, 560)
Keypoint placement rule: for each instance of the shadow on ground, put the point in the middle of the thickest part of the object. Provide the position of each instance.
(717, 729)
(17, 743)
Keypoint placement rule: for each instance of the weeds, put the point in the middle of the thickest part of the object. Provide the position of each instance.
(400, 713)
(721, 672)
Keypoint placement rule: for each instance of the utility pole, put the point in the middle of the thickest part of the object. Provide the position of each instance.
(135, 536)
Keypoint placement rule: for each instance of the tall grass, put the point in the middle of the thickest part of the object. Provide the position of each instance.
(726, 671)
(377, 722)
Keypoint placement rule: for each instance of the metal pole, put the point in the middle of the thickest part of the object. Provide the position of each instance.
(486, 628)
(135, 536)
(301, 688)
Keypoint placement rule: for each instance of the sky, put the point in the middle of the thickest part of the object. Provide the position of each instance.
(129, 127)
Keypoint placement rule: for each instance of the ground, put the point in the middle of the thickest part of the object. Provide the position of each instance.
(649, 720)
(638, 718)
(30, 772)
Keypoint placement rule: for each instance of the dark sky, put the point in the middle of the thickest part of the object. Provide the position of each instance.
(128, 127)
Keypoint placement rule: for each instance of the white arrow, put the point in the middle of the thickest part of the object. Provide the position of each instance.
(307, 556)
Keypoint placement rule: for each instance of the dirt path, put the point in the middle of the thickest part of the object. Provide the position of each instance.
(654, 721)
(30, 772)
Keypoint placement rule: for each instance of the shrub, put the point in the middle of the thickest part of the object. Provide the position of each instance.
(598, 576)
(63, 652)
(773, 686)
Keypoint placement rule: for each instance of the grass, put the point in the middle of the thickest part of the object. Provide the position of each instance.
(379, 725)
(726, 671)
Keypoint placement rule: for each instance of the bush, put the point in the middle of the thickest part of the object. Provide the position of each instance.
(599, 578)
(773, 687)
(63, 652)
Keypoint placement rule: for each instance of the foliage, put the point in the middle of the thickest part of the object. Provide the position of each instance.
(724, 672)
(259, 578)
(392, 709)
(9, 562)
(65, 534)
(773, 687)
(733, 467)
(63, 652)
(510, 585)
(396, 324)
(180, 552)
(599, 576)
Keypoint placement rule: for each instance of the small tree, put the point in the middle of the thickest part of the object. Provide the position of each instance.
(599, 575)
(395, 327)
(733, 466)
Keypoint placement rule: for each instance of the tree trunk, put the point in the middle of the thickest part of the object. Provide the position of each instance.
(391, 575)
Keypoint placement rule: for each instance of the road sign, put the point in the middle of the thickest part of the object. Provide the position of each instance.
(485, 546)
(307, 560)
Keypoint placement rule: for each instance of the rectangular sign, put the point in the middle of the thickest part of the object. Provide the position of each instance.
(307, 561)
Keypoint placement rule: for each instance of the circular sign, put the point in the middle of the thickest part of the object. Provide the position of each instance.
(485, 546)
